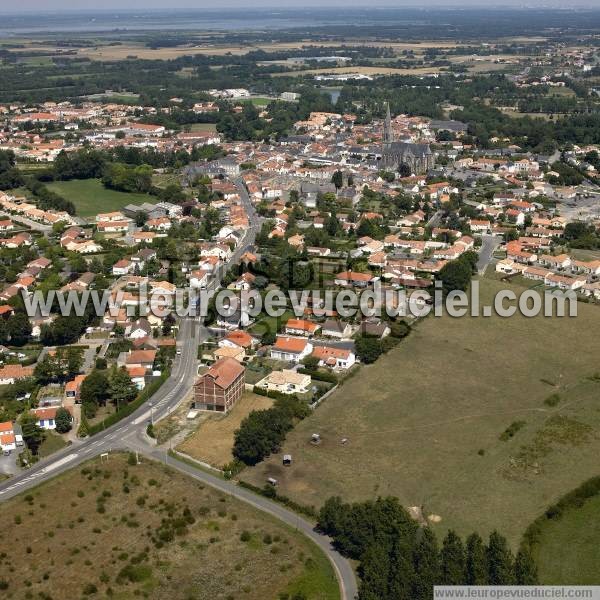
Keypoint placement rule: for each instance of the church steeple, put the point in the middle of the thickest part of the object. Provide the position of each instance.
(388, 134)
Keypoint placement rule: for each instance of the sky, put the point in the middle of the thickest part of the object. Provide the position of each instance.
(70, 5)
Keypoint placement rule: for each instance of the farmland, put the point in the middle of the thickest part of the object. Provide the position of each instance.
(425, 422)
(127, 530)
(90, 197)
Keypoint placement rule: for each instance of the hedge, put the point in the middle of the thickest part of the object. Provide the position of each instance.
(130, 408)
(319, 375)
(269, 492)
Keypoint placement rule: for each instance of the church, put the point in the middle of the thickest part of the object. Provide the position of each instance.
(404, 157)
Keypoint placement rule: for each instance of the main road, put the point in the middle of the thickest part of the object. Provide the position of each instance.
(129, 433)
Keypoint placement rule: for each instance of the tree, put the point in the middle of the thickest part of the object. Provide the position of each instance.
(94, 392)
(374, 572)
(500, 561)
(525, 568)
(19, 329)
(477, 571)
(338, 180)
(63, 420)
(452, 561)
(455, 275)
(33, 434)
(426, 564)
(401, 567)
(368, 349)
(122, 389)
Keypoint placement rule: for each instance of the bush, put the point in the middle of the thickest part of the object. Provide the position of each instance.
(511, 430)
(245, 537)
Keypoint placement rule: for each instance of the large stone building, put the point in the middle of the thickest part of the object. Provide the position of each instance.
(403, 157)
(220, 387)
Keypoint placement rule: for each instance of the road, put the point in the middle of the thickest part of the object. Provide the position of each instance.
(486, 252)
(129, 433)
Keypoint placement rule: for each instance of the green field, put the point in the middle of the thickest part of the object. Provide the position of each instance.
(114, 529)
(90, 197)
(424, 422)
(567, 553)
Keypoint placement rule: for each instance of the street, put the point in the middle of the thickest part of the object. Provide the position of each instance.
(129, 433)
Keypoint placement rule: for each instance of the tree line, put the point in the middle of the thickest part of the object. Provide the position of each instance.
(400, 560)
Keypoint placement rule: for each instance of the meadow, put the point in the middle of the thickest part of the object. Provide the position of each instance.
(479, 422)
(90, 197)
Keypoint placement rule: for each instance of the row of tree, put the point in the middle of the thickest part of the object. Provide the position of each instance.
(399, 560)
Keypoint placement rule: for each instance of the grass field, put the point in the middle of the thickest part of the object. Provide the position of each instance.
(117, 530)
(213, 439)
(90, 197)
(424, 422)
(568, 550)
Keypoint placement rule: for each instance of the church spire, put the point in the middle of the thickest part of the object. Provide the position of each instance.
(388, 136)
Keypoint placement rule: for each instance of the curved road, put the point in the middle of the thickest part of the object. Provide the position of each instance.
(129, 433)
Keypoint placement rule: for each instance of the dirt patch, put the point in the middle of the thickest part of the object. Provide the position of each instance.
(213, 439)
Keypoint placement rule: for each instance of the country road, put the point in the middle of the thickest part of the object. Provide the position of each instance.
(129, 433)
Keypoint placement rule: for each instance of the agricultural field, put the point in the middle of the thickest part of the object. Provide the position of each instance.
(481, 422)
(567, 553)
(123, 530)
(90, 197)
(212, 441)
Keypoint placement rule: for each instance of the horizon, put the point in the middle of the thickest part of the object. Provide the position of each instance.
(26, 7)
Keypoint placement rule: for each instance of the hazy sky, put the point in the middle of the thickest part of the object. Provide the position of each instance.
(52, 5)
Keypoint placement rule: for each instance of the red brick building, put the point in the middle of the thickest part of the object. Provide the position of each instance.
(220, 387)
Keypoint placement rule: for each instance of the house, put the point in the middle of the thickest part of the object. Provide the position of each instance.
(335, 358)
(336, 329)
(139, 329)
(561, 261)
(301, 327)
(199, 279)
(73, 388)
(47, 416)
(291, 348)
(238, 354)
(285, 381)
(137, 376)
(238, 339)
(220, 387)
(122, 267)
(11, 373)
(8, 437)
(352, 278)
(140, 358)
(374, 328)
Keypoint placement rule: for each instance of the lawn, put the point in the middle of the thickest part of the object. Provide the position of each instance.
(113, 529)
(424, 422)
(53, 442)
(213, 439)
(90, 197)
(567, 553)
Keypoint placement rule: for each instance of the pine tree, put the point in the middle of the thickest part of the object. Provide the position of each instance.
(426, 565)
(525, 568)
(477, 570)
(500, 561)
(452, 561)
(401, 569)
(374, 573)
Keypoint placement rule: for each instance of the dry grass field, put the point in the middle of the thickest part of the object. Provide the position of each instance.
(118, 530)
(213, 439)
(424, 423)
